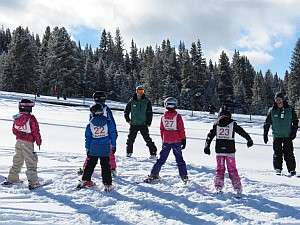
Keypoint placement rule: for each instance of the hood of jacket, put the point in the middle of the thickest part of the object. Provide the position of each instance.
(224, 121)
(21, 118)
(169, 114)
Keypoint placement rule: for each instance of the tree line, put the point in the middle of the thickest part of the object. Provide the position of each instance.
(56, 65)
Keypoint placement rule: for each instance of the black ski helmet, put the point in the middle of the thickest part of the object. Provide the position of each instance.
(99, 97)
(224, 112)
(25, 105)
(170, 103)
(96, 109)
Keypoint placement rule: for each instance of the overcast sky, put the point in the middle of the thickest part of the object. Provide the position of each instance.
(264, 30)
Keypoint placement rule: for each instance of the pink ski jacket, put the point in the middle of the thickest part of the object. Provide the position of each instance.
(26, 128)
(172, 127)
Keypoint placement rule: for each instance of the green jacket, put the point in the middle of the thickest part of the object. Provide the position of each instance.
(284, 121)
(140, 110)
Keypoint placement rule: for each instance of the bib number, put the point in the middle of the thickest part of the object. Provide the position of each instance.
(225, 132)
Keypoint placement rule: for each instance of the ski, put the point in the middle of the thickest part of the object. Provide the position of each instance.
(41, 184)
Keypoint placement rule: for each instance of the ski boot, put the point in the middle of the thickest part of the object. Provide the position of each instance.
(154, 157)
(219, 190)
(80, 171)
(85, 184)
(129, 155)
(152, 179)
(292, 173)
(185, 179)
(278, 172)
(113, 172)
(33, 185)
(108, 187)
(10, 183)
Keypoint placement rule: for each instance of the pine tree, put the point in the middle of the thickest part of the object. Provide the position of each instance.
(259, 101)
(43, 83)
(225, 87)
(294, 78)
(118, 48)
(20, 64)
(135, 69)
(268, 86)
(60, 63)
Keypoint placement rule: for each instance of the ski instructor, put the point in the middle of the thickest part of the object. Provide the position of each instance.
(140, 109)
(284, 123)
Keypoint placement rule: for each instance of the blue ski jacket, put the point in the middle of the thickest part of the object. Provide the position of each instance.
(100, 133)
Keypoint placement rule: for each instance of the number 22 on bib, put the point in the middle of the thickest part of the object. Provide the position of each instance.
(99, 131)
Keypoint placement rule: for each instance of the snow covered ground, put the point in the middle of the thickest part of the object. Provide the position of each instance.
(267, 198)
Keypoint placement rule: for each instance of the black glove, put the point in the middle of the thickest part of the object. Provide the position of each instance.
(113, 149)
(249, 143)
(266, 138)
(293, 136)
(183, 144)
(207, 150)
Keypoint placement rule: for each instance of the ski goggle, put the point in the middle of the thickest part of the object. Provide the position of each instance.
(140, 91)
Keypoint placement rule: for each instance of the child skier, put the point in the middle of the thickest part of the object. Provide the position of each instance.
(173, 137)
(224, 129)
(99, 97)
(26, 129)
(100, 134)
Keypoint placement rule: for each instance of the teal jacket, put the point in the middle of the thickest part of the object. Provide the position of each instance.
(140, 111)
(284, 121)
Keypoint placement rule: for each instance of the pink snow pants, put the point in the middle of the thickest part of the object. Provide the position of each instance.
(232, 171)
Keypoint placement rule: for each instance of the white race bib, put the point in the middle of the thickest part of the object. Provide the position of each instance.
(99, 131)
(170, 124)
(225, 132)
(25, 128)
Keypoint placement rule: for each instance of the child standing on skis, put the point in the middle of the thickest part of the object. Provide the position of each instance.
(100, 135)
(26, 129)
(173, 137)
(224, 129)
(99, 97)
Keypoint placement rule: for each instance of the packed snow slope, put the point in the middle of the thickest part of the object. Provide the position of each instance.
(267, 198)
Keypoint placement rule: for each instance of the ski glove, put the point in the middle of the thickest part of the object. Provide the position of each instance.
(183, 144)
(113, 148)
(293, 136)
(207, 150)
(266, 138)
(249, 143)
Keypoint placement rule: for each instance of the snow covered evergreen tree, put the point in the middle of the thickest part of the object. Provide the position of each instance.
(294, 78)
(61, 63)
(225, 86)
(19, 71)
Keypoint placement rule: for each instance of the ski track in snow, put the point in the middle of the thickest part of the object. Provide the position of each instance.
(134, 202)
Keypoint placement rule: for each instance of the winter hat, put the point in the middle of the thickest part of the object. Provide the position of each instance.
(99, 97)
(224, 112)
(25, 105)
(279, 95)
(96, 109)
(170, 103)
(140, 89)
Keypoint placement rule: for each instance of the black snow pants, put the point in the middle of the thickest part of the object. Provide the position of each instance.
(91, 162)
(283, 148)
(133, 130)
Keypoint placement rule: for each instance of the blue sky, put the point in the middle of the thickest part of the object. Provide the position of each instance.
(265, 31)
